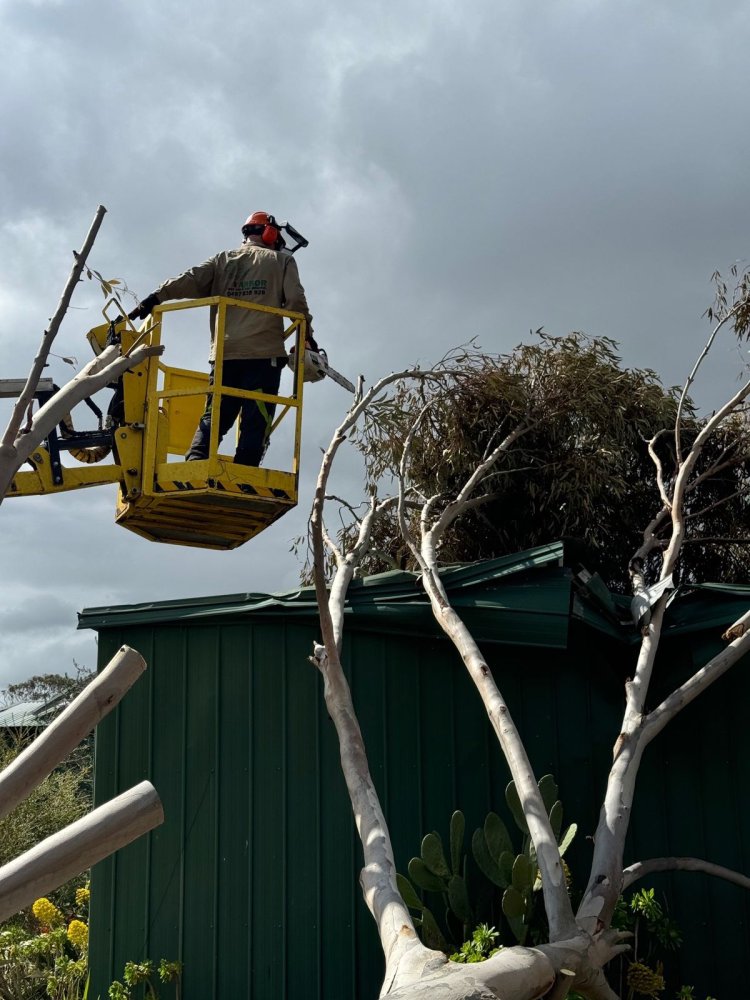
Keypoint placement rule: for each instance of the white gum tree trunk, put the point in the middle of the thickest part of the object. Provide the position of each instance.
(580, 944)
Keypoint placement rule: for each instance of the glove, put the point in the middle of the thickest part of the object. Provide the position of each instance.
(311, 343)
(145, 308)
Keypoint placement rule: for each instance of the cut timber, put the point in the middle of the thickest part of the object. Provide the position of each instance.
(62, 736)
(79, 846)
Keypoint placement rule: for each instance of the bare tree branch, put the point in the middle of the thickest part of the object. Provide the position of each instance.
(721, 462)
(458, 506)
(78, 846)
(330, 544)
(378, 877)
(64, 734)
(712, 506)
(97, 374)
(584, 943)
(605, 879)
(686, 467)
(640, 869)
(691, 377)
(559, 912)
(659, 470)
(656, 720)
(715, 540)
(27, 395)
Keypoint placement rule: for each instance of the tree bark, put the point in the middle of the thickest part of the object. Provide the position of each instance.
(557, 902)
(97, 374)
(640, 869)
(398, 937)
(579, 947)
(71, 851)
(63, 735)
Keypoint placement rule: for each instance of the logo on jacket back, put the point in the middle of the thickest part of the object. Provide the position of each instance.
(247, 288)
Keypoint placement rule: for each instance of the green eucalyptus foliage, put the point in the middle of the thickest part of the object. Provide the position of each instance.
(582, 470)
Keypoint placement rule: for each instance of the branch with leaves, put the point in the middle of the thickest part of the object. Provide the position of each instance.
(639, 727)
(26, 398)
(25, 429)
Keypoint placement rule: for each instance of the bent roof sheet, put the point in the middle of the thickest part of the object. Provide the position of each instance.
(528, 598)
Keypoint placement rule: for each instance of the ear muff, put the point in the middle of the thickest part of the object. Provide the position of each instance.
(270, 234)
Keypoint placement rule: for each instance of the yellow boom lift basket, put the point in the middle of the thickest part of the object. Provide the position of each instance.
(212, 503)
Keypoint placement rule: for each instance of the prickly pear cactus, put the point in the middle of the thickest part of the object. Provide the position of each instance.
(514, 872)
(431, 873)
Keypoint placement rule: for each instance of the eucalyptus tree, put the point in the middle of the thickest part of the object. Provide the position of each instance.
(542, 389)
(583, 471)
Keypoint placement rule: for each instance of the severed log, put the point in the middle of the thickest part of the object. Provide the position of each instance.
(79, 846)
(63, 735)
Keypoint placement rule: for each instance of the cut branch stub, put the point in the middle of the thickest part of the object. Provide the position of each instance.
(77, 847)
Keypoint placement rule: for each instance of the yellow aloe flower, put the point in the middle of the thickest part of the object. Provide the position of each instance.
(643, 980)
(46, 913)
(78, 934)
(82, 896)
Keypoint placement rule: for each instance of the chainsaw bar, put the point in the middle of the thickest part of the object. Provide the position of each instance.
(321, 361)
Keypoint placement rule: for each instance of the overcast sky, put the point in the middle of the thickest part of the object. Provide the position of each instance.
(461, 170)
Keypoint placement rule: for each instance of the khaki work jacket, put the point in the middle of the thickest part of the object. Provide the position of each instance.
(252, 272)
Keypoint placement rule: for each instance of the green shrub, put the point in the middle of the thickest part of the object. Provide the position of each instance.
(59, 800)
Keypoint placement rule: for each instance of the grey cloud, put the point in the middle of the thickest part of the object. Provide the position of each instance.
(460, 172)
(20, 613)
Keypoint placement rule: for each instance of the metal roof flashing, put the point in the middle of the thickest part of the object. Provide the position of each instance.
(528, 598)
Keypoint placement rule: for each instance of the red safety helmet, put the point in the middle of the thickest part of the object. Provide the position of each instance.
(264, 225)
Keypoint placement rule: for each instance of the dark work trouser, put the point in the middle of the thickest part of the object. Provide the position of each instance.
(256, 416)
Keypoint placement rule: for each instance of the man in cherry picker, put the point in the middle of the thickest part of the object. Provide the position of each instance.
(260, 270)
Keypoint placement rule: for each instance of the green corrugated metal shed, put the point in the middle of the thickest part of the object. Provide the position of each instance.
(251, 881)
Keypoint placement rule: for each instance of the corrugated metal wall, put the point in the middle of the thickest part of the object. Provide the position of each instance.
(251, 881)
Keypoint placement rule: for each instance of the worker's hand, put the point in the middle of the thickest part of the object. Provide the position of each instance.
(311, 343)
(145, 308)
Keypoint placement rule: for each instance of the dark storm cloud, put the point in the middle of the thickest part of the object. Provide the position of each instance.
(459, 171)
(592, 167)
